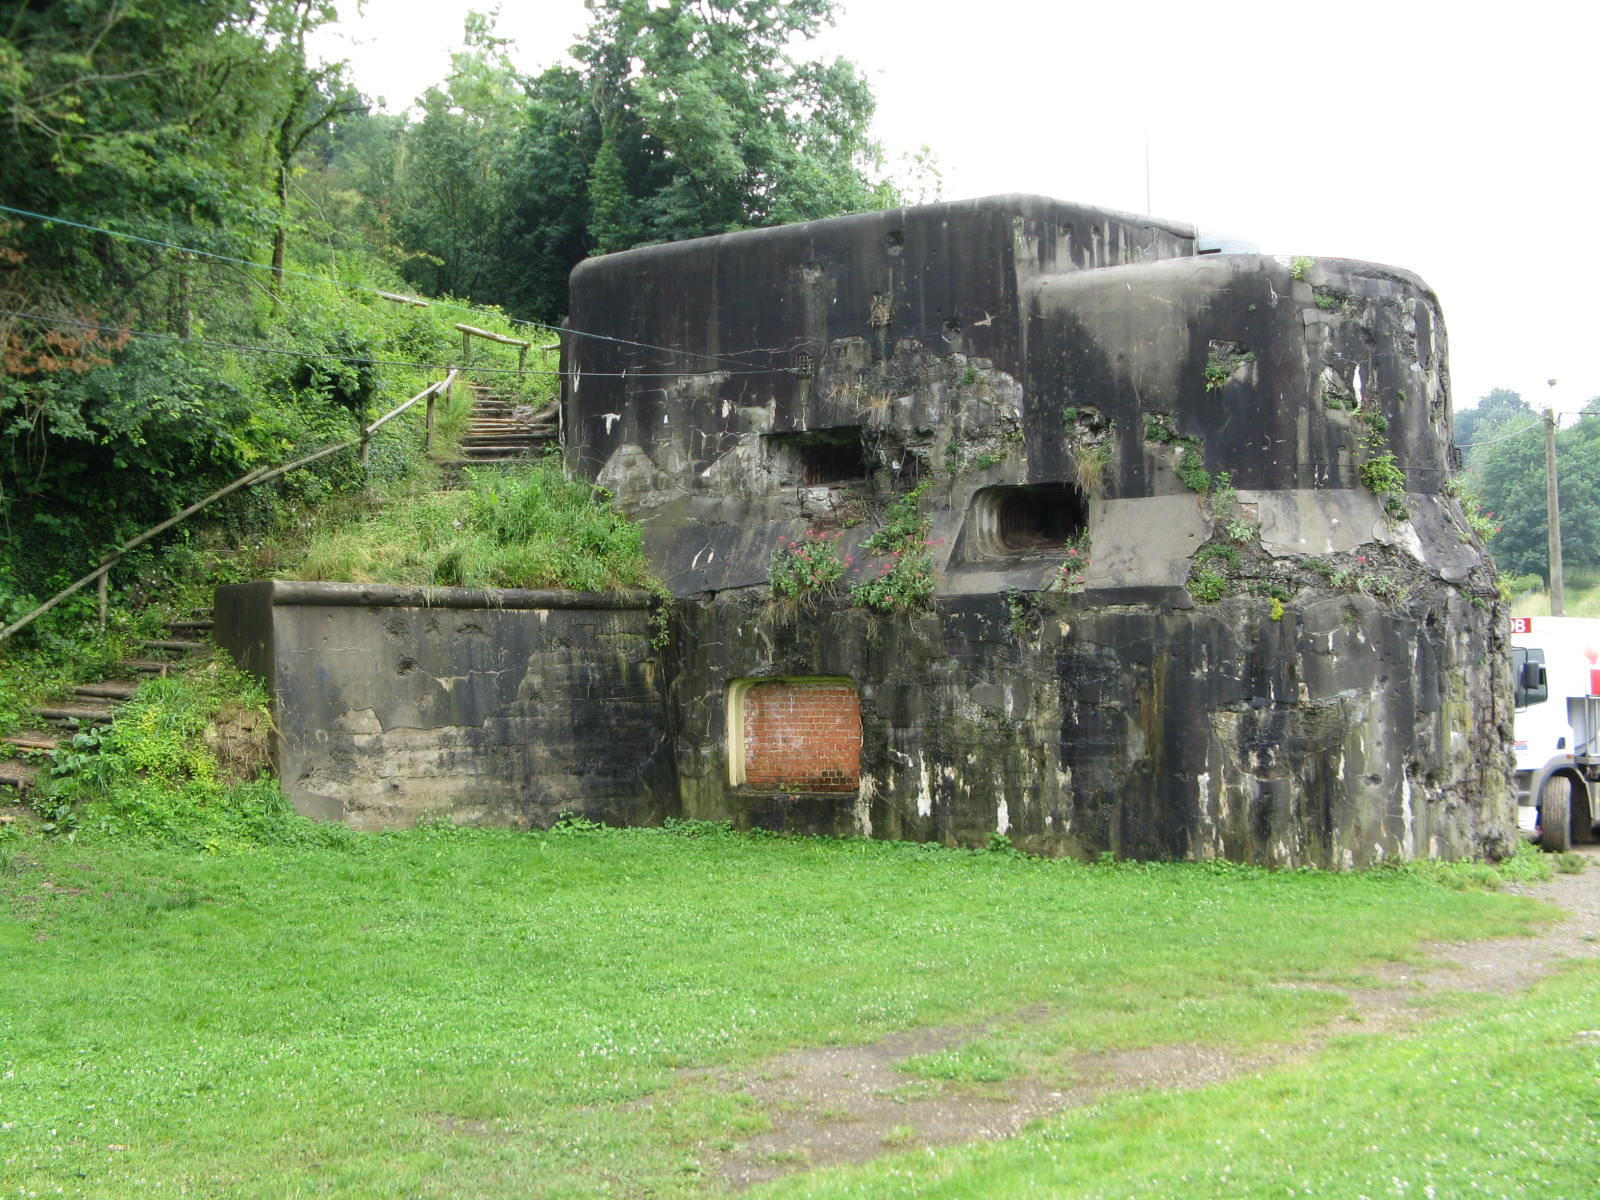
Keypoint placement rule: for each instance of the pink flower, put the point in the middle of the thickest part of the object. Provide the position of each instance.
(1361, 558)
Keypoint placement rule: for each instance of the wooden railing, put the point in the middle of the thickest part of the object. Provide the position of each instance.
(468, 332)
(249, 479)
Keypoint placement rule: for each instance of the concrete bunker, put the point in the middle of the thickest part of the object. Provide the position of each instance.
(1138, 551)
(1195, 582)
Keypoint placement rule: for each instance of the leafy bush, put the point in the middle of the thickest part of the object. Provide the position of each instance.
(183, 763)
(803, 568)
(1207, 585)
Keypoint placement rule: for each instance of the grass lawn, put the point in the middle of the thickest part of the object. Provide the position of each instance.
(460, 1014)
(1503, 1101)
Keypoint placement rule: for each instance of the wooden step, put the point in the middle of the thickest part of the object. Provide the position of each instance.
(81, 714)
(196, 624)
(17, 774)
(148, 666)
(457, 465)
(495, 451)
(110, 690)
(174, 645)
(31, 739)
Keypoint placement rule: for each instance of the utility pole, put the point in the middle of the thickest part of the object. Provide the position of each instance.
(1552, 506)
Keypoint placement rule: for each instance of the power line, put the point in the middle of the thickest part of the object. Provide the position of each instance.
(242, 348)
(1505, 438)
(1568, 412)
(360, 287)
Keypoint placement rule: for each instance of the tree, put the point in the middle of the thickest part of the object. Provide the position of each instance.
(452, 180)
(1509, 470)
(1498, 405)
(682, 118)
(309, 99)
(173, 123)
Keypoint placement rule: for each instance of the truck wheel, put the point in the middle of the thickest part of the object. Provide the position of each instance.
(1555, 814)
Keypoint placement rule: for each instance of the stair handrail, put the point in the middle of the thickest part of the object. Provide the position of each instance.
(249, 479)
(468, 332)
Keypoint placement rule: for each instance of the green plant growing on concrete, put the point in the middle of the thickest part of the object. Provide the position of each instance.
(1091, 463)
(1222, 360)
(904, 521)
(532, 529)
(1225, 509)
(981, 450)
(1018, 611)
(1192, 472)
(1207, 585)
(1158, 428)
(1219, 552)
(905, 582)
(805, 568)
(1381, 473)
(1301, 267)
(1329, 299)
(1069, 575)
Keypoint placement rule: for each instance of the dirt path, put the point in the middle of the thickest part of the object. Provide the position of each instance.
(849, 1104)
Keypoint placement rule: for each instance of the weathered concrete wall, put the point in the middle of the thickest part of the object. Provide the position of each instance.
(506, 707)
(1342, 733)
(1284, 646)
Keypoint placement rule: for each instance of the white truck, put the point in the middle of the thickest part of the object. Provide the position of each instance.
(1555, 663)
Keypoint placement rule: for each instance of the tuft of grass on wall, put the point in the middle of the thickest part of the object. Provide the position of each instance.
(506, 529)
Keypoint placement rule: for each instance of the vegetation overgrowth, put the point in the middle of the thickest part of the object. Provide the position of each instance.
(201, 220)
(451, 1012)
(527, 528)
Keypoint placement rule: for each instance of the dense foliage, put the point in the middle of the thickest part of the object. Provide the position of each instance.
(1504, 453)
(679, 119)
(194, 294)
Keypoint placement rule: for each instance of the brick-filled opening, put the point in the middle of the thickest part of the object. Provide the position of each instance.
(795, 735)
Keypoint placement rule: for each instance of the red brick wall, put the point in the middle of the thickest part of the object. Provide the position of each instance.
(802, 737)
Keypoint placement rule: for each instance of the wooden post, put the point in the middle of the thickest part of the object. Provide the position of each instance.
(466, 346)
(522, 358)
(366, 436)
(427, 439)
(1552, 507)
(101, 589)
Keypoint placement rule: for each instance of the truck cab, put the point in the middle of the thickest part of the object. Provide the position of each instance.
(1555, 664)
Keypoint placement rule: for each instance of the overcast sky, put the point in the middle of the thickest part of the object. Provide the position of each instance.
(1454, 140)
